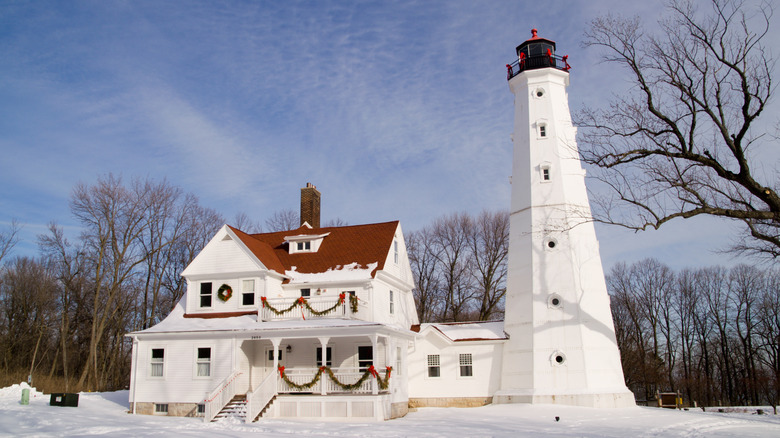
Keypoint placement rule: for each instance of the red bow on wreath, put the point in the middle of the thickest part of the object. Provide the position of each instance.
(301, 300)
(341, 298)
(281, 371)
(263, 300)
(389, 369)
(373, 372)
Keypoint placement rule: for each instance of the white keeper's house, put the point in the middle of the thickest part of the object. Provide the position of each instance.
(321, 322)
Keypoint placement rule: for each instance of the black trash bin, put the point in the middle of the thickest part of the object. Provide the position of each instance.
(64, 399)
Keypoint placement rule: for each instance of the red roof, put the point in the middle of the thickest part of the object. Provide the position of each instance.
(362, 244)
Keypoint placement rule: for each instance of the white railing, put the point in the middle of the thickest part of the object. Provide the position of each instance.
(260, 396)
(347, 376)
(220, 396)
(319, 304)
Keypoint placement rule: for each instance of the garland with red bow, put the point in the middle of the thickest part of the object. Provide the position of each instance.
(303, 302)
(371, 371)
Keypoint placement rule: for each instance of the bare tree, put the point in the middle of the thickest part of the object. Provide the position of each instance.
(246, 224)
(283, 220)
(489, 241)
(113, 220)
(425, 264)
(449, 235)
(684, 140)
(336, 222)
(9, 239)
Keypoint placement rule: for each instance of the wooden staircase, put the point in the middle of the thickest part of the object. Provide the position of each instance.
(236, 408)
(265, 408)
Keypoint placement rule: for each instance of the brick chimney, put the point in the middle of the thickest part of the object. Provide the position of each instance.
(310, 205)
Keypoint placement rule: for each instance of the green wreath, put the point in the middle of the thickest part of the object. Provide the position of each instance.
(225, 292)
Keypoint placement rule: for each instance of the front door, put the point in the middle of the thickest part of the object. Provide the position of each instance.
(268, 358)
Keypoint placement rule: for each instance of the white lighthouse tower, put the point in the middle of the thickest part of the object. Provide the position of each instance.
(561, 346)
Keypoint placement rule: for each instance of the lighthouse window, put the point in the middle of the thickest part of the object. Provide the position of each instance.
(542, 130)
(546, 174)
(539, 92)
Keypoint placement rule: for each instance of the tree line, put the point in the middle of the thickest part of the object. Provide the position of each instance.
(712, 333)
(64, 314)
(459, 267)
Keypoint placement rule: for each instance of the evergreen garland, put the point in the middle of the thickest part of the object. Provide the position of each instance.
(303, 302)
(383, 383)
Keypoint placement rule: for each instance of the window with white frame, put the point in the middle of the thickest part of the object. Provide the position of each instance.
(306, 293)
(205, 294)
(465, 362)
(398, 358)
(395, 251)
(434, 365)
(248, 293)
(157, 362)
(365, 357)
(392, 303)
(328, 358)
(544, 170)
(161, 408)
(203, 361)
(542, 130)
(201, 409)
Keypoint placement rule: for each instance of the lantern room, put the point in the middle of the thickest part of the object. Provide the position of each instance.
(536, 47)
(535, 53)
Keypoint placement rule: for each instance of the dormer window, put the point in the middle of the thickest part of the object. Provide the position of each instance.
(304, 242)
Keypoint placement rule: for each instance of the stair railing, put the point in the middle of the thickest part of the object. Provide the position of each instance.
(220, 396)
(260, 397)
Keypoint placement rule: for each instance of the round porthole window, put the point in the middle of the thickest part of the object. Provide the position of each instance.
(539, 92)
(550, 243)
(558, 358)
(555, 301)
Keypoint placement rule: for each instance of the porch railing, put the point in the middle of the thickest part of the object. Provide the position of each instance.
(280, 309)
(220, 396)
(326, 385)
(260, 396)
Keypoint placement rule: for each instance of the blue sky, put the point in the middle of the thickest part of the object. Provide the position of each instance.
(395, 110)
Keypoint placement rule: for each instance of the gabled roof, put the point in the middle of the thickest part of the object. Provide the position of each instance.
(361, 244)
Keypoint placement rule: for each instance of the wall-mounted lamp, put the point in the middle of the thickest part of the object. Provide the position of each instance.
(289, 348)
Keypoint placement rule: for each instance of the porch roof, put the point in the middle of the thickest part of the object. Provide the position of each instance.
(247, 326)
(469, 331)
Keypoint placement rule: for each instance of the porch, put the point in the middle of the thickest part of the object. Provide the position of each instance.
(317, 369)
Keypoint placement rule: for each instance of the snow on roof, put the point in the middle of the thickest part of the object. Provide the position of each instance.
(177, 322)
(349, 272)
(470, 331)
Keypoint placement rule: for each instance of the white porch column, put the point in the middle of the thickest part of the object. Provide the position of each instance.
(323, 361)
(374, 342)
(276, 342)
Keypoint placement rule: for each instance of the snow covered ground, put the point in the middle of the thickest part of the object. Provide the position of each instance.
(106, 414)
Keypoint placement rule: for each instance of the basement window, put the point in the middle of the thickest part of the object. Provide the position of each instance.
(161, 408)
